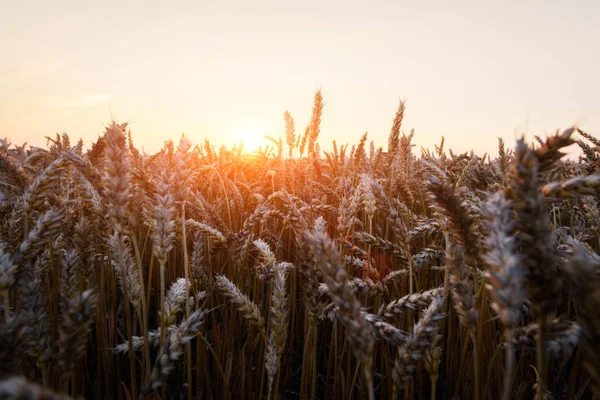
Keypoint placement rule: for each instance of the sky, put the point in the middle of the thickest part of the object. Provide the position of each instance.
(468, 71)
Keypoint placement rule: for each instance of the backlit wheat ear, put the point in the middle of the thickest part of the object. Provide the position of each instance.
(127, 273)
(502, 159)
(582, 272)
(591, 154)
(560, 337)
(174, 301)
(380, 243)
(432, 358)
(464, 297)
(413, 348)
(163, 220)
(463, 294)
(138, 341)
(459, 218)
(183, 173)
(8, 272)
(75, 327)
(43, 184)
(68, 278)
(173, 347)
(390, 333)
(290, 132)
(586, 185)
(116, 176)
(395, 276)
(548, 154)
(368, 198)
(394, 138)
(34, 309)
(250, 310)
(46, 227)
(163, 235)
(84, 243)
(266, 259)
(411, 301)
(303, 140)
(197, 260)
(19, 388)
(358, 330)
(347, 213)
(314, 128)
(589, 137)
(279, 318)
(534, 236)
(215, 235)
(504, 277)
(367, 286)
(90, 167)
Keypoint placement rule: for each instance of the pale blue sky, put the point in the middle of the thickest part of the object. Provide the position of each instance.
(470, 71)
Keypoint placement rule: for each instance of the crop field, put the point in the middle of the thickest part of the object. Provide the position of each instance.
(297, 273)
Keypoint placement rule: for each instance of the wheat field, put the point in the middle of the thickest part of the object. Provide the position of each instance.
(296, 273)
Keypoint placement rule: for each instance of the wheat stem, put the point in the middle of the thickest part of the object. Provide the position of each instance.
(510, 365)
(540, 389)
(186, 266)
(144, 310)
(163, 328)
(6, 296)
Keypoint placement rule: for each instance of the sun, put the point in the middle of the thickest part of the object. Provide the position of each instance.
(251, 136)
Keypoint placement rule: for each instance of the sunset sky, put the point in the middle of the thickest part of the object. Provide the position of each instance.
(469, 71)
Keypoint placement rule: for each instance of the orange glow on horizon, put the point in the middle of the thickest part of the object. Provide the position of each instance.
(251, 137)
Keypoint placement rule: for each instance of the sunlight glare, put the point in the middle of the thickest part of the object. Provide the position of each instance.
(252, 137)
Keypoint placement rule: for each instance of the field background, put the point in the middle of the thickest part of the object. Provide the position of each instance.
(291, 272)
